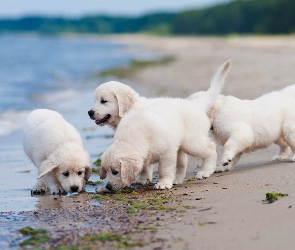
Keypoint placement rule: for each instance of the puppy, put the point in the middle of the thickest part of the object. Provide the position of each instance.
(243, 126)
(157, 132)
(56, 149)
(112, 101)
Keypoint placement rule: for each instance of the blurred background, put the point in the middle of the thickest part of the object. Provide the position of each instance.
(189, 17)
(53, 54)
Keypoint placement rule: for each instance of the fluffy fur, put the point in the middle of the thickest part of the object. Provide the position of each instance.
(157, 132)
(56, 149)
(112, 101)
(243, 126)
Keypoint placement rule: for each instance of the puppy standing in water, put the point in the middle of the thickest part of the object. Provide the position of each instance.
(243, 126)
(156, 132)
(56, 149)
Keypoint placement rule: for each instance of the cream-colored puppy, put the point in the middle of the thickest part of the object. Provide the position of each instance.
(243, 126)
(115, 99)
(56, 149)
(156, 133)
(112, 101)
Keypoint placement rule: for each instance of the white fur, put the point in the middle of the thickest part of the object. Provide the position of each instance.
(246, 125)
(55, 148)
(120, 99)
(163, 131)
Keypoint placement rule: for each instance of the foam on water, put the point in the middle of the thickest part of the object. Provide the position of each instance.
(11, 120)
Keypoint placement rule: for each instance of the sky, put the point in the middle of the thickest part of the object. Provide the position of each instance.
(78, 8)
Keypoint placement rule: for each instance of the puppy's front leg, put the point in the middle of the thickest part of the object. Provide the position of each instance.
(53, 184)
(235, 145)
(167, 169)
(230, 165)
(39, 187)
(146, 175)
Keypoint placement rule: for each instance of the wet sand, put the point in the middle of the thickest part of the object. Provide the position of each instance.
(225, 211)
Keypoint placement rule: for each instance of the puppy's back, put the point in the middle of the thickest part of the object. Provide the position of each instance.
(44, 131)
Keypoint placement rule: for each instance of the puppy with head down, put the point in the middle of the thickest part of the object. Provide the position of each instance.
(156, 133)
(243, 126)
(56, 149)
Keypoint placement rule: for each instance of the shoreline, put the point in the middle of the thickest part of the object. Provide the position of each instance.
(225, 211)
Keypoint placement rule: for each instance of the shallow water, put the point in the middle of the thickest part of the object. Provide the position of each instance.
(52, 73)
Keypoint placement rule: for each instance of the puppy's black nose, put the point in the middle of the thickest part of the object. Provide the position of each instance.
(109, 186)
(90, 113)
(74, 188)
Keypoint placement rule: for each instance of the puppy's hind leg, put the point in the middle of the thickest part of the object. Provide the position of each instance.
(167, 169)
(180, 167)
(284, 152)
(289, 137)
(204, 148)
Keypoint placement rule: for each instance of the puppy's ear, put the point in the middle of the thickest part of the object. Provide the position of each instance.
(46, 167)
(126, 101)
(102, 173)
(88, 172)
(129, 170)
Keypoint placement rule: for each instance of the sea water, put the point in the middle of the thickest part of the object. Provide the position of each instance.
(52, 72)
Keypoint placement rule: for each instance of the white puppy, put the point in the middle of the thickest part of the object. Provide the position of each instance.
(243, 126)
(56, 149)
(156, 132)
(113, 100)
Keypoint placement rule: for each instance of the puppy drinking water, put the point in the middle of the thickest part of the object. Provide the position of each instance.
(243, 126)
(56, 149)
(156, 132)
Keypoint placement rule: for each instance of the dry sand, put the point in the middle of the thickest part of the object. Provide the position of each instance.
(225, 211)
(238, 219)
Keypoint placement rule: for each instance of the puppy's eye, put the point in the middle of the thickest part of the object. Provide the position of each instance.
(80, 172)
(66, 174)
(103, 101)
(114, 172)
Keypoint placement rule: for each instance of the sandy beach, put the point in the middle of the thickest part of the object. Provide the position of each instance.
(240, 220)
(225, 211)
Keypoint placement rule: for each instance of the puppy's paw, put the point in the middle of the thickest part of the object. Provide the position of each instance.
(101, 190)
(178, 180)
(292, 158)
(142, 181)
(56, 190)
(222, 168)
(38, 190)
(227, 158)
(203, 175)
(280, 158)
(163, 185)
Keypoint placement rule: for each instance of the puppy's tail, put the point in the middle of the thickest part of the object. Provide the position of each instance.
(207, 98)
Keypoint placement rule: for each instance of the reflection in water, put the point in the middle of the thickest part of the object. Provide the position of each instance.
(64, 201)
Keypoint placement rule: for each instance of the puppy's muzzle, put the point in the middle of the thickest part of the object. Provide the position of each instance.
(74, 188)
(109, 187)
(91, 113)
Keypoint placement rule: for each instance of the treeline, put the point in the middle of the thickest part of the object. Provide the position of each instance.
(239, 16)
